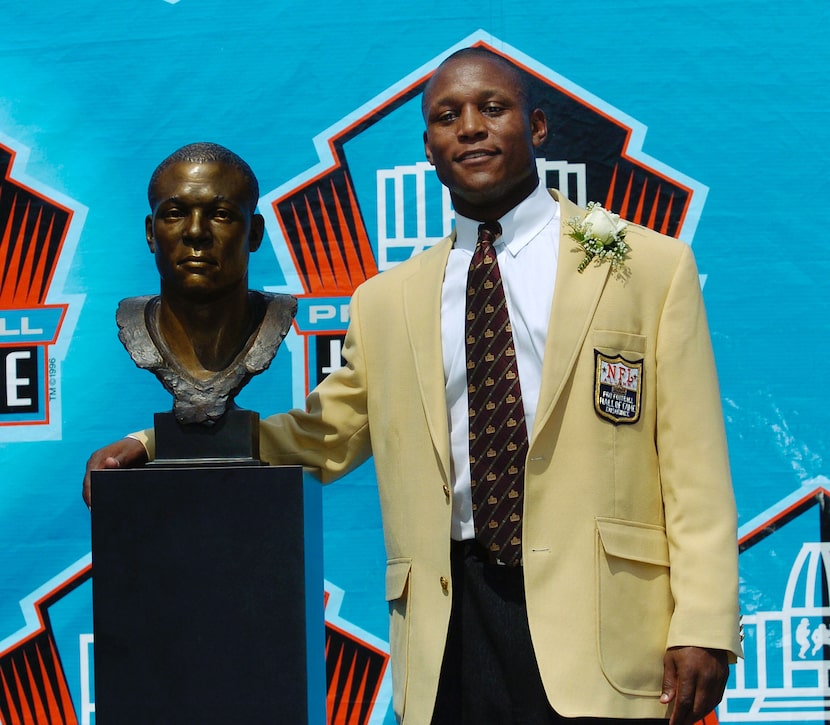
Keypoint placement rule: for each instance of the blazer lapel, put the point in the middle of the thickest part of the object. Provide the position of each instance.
(575, 299)
(422, 312)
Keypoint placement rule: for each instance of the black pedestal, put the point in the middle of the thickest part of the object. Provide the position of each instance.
(202, 590)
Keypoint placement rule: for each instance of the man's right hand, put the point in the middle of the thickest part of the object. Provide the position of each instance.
(126, 453)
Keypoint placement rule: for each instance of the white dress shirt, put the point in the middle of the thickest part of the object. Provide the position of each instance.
(527, 254)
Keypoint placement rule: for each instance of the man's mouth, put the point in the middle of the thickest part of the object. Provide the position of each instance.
(474, 155)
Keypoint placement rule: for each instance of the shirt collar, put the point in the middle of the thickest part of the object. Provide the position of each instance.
(519, 226)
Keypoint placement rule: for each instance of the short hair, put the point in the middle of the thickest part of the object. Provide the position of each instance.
(204, 152)
(522, 80)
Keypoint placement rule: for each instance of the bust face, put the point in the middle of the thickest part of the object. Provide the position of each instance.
(201, 230)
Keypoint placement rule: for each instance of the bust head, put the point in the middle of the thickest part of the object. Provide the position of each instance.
(206, 334)
(203, 222)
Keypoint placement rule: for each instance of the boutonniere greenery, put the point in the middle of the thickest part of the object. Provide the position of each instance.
(600, 235)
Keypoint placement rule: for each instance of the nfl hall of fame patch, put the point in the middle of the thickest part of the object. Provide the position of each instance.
(617, 387)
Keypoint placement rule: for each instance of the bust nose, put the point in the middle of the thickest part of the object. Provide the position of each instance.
(197, 228)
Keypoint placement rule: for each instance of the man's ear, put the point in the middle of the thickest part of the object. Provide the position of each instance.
(257, 232)
(427, 151)
(148, 232)
(538, 126)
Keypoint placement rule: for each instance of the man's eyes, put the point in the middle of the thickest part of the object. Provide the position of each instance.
(490, 109)
(218, 214)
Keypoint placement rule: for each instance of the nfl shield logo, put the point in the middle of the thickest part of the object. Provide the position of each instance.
(617, 387)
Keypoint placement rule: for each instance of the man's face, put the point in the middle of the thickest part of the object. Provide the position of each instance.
(480, 136)
(201, 229)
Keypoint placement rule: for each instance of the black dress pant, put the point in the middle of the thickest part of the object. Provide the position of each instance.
(489, 674)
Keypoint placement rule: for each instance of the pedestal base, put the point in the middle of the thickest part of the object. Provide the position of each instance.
(201, 597)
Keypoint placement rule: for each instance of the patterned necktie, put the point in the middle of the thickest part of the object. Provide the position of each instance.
(498, 435)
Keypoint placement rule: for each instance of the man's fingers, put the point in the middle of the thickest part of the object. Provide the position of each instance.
(684, 701)
(669, 681)
(669, 677)
(126, 453)
(693, 679)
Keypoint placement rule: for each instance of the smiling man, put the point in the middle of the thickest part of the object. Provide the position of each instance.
(206, 334)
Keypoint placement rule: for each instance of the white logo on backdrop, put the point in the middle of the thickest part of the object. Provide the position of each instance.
(785, 675)
(400, 236)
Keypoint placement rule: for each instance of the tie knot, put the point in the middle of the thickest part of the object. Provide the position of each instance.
(489, 232)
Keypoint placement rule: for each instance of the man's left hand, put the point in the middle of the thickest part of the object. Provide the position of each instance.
(694, 679)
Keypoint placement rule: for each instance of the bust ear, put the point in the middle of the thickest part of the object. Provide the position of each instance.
(257, 232)
(148, 233)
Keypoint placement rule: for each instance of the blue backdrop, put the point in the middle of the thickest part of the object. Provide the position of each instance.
(726, 99)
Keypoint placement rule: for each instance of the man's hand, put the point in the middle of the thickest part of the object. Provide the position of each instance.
(126, 453)
(694, 679)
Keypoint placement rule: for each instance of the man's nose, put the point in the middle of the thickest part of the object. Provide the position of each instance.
(471, 123)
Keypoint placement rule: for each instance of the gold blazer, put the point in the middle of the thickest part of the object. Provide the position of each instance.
(629, 517)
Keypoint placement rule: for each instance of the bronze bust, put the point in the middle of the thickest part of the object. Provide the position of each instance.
(206, 334)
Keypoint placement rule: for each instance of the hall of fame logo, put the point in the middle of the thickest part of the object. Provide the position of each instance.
(785, 673)
(372, 201)
(39, 229)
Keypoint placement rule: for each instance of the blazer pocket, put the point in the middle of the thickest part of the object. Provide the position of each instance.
(398, 576)
(633, 603)
(616, 342)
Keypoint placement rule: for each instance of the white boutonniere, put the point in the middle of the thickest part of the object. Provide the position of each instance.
(600, 235)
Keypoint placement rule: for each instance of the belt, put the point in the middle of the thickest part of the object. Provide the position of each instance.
(472, 548)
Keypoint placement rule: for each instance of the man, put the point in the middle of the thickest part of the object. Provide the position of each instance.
(624, 602)
(206, 334)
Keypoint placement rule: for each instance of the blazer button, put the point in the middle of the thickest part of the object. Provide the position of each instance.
(445, 583)
(447, 492)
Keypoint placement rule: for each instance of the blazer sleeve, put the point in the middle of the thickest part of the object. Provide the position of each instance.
(331, 436)
(701, 518)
